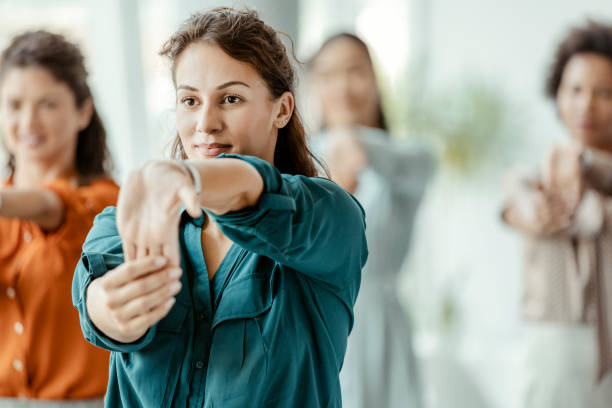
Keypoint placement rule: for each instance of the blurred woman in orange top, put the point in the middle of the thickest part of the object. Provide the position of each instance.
(59, 180)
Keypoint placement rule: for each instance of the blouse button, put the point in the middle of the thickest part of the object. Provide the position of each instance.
(27, 236)
(18, 328)
(18, 365)
(10, 292)
(199, 364)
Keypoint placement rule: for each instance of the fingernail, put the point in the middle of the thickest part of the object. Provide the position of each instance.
(160, 261)
(175, 287)
(175, 273)
(170, 302)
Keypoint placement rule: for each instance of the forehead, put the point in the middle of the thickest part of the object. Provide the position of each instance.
(341, 52)
(589, 66)
(205, 65)
(32, 79)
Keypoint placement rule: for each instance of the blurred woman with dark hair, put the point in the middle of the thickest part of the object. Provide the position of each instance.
(59, 180)
(389, 179)
(564, 212)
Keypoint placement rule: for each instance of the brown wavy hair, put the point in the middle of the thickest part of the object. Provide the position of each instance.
(242, 35)
(65, 62)
(594, 37)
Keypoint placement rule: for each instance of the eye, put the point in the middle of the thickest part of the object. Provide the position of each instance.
(13, 104)
(231, 99)
(48, 104)
(188, 101)
(605, 93)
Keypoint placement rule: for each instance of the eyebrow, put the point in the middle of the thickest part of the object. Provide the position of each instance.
(52, 96)
(222, 86)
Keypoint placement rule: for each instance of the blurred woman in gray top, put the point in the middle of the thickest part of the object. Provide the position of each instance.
(389, 179)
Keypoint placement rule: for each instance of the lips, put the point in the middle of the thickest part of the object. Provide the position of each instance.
(31, 140)
(588, 126)
(212, 149)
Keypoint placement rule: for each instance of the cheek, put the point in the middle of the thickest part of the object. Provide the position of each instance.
(252, 127)
(607, 115)
(337, 87)
(564, 105)
(60, 127)
(8, 124)
(324, 94)
(185, 124)
(181, 124)
(365, 91)
(9, 131)
(330, 105)
(62, 124)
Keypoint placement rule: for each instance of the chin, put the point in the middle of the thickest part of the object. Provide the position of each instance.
(38, 153)
(196, 156)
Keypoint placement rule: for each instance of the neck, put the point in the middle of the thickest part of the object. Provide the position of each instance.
(33, 174)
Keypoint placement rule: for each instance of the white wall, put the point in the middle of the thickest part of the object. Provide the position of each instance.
(461, 244)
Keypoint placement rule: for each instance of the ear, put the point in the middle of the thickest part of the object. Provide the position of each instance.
(85, 113)
(286, 104)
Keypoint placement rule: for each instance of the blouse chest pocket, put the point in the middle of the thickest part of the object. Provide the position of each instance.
(174, 320)
(245, 298)
(239, 351)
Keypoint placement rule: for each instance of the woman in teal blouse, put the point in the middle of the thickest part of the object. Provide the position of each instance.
(228, 278)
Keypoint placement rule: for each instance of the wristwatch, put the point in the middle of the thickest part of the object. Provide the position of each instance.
(194, 173)
(586, 161)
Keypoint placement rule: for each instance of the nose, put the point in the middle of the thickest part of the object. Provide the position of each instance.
(344, 85)
(588, 102)
(209, 121)
(28, 120)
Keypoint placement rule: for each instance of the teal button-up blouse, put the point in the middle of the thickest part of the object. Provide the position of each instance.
(270, 329)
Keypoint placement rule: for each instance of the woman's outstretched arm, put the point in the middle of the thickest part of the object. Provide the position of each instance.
(41, 206)
(125, 298)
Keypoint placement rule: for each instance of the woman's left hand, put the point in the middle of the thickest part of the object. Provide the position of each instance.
(148, 210)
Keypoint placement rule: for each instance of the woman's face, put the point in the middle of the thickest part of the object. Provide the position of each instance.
(346, 86)
(224, 106)
(584, 99)
(39, 116)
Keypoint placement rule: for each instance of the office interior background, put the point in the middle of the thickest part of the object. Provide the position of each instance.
(465, 78)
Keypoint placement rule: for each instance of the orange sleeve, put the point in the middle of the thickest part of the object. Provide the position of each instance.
(81, 205)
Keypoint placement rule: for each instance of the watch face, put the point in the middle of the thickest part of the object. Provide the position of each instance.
(586, 158)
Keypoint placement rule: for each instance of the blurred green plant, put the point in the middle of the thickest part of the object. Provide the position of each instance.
(467, 126)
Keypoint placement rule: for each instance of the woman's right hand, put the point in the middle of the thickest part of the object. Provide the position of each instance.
(148, 210)
(345, 158)
(563, 178)
(128, 300)
(548, 206)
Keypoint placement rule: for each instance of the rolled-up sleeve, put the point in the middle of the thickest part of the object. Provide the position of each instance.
(81, 205)
(308, 224)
